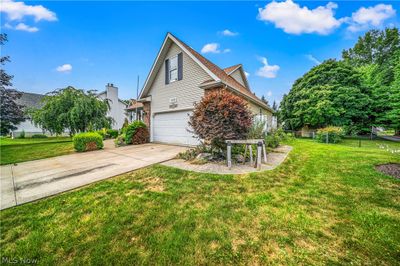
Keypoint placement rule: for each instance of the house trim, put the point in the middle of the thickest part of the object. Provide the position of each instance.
(151, 75)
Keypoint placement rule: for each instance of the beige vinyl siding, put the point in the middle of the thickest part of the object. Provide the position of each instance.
(238, 76)
(186, 90)
(255, 109)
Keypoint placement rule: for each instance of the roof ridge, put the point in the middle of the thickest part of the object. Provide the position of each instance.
(220, 73)
(230, 68)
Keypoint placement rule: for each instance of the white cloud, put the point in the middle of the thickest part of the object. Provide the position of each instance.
(365, 18)
(313, 59)
(267, 71)
(269, 93)
(229, 33)
(210, 48)
(64, 68)
(294, 19)
(24, 27)
(21, 26)
(18, 10)
(213, 48)
(247, 74)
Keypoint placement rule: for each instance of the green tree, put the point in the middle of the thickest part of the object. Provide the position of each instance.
(11, 113)
(72, 110)
(329, 94)
(377, 57)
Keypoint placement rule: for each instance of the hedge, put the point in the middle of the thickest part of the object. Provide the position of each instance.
(88, 141)
(38, 136)
(329, 134)
(112, 133)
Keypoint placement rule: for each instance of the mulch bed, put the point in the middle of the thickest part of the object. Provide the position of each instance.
(392, 169)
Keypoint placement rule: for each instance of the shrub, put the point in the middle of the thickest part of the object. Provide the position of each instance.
(220, 115)
(102, 133)
(120, 140)
(135, 136)
(334, 134)
(141, 136)
(39, 136)
(112, 133)
(88, 141)
(22, 135)
(272, 140)
(257, 130)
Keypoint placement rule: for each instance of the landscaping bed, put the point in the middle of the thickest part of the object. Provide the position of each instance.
(392, 169)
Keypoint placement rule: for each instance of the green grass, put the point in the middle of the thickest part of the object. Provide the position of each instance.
(21, 150)
(26, 141)
(325, 205)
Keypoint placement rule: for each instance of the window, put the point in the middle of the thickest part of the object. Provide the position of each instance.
(173, 69)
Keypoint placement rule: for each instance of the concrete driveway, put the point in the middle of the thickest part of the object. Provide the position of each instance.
(33, 180)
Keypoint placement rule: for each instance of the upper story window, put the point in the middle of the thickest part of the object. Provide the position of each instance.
(173, 68)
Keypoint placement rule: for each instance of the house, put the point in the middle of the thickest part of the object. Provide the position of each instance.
(29, 101)
(180, 77)
(117, 106)
(135, 110)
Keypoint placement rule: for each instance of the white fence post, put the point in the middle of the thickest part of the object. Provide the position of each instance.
(259, 151)
(229, 155)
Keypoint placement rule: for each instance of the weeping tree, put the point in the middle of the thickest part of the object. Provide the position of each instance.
(72, 110)
(11, 112)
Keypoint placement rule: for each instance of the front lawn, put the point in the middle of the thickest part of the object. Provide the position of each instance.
(325, 205)
(28, 149)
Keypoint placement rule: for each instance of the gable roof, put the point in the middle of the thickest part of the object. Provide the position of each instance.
(219, 75)
(134, 104)
(30, 100)
(232, 69)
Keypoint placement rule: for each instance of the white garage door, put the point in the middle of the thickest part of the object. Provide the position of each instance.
(173, 128)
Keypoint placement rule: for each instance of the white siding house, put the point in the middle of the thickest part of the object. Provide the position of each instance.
(178, 79)
(117, 107)
(28, 100)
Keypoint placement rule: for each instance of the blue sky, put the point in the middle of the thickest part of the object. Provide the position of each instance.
(88, 44)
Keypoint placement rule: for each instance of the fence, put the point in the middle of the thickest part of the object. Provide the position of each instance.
(354, 141)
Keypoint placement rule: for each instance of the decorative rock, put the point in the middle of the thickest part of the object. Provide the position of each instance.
(204, 156)
(239, 158)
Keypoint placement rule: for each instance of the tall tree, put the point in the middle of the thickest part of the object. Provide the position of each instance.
(274, 106)
(10, 112)
(264, 100)
(377, 56)
(72, 110)
(329, 94)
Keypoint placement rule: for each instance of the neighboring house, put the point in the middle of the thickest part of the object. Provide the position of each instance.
(179, 78)
(135, 110)
(117, 107)
(29, 100)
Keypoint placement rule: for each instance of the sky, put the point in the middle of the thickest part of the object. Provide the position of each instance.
(54, 44)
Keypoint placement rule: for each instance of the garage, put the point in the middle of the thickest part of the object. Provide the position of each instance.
(172, 128)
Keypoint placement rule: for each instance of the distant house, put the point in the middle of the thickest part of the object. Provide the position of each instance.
(178, 79)
(29, 100)
(117, 106)
(118, 110)
(135, 110)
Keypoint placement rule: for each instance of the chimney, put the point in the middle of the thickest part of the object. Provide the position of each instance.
(112, 92)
